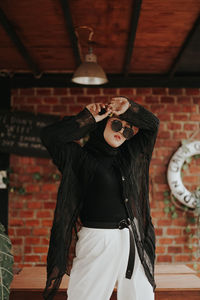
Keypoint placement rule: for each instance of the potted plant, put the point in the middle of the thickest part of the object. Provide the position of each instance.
(6, 264)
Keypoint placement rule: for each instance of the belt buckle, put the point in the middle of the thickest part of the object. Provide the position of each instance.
(122, 224)
(129, 221)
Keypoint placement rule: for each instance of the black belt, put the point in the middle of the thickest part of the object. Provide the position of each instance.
(125, 223)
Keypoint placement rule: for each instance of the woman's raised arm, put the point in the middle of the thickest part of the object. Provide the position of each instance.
(59, 137)
(147, 123)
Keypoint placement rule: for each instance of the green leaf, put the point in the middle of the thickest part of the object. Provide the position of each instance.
(166, 193)
(2, 228)
(188, 159)
(197, 210)
(174, 215)
(172, 208)
(166, 209)
(6, 264)
(188, 229)
(192, 220)
(166, 201)
(185, 167)
(21, 191)
(195, 266)
(56, 176)
(37, 176)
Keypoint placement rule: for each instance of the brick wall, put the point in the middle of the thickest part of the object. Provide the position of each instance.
(30, 214)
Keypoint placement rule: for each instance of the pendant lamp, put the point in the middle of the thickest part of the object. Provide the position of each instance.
(90, 72)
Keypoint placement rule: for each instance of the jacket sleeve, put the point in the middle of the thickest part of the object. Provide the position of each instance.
(148, 125)
(59, 137)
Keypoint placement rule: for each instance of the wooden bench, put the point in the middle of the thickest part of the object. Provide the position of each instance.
(174, 282)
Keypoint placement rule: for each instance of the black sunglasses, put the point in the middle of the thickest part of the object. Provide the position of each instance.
(116, 126)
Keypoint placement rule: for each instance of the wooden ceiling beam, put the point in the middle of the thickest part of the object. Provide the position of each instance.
(70, 30)
(136, 7)
(8, 27)
(184, 47)
(24, 80)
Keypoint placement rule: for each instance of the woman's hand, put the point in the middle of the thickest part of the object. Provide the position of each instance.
(119, 105)
(95, 109)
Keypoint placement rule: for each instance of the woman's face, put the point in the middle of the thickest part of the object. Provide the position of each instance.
(114, 139)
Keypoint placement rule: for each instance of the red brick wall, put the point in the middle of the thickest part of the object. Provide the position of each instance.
(30, 215)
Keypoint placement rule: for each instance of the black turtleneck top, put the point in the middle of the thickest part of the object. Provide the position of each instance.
(103, 201)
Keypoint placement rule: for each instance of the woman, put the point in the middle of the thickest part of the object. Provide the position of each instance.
(105, 186)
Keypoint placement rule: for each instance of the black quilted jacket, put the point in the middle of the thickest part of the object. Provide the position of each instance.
(74, 161)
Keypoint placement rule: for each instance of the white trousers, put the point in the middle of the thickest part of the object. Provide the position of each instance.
(101, 262)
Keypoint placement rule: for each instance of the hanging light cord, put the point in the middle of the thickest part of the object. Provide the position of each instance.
(91, 33)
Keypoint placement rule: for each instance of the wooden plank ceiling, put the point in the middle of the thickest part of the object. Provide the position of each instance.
(153, 39)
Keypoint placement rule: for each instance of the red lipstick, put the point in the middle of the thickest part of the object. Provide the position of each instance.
(117, 137)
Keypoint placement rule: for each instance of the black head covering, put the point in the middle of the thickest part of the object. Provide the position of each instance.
(97, 144)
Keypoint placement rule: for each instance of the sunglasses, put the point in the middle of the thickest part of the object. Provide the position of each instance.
(116, 126)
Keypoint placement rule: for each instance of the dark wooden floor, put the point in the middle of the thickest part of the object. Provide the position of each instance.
(174, 282)
(181, 295)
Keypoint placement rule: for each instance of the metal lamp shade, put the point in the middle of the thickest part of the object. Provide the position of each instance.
(89, 72)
